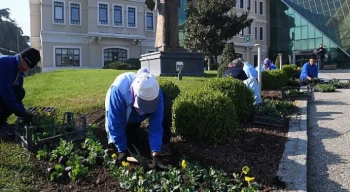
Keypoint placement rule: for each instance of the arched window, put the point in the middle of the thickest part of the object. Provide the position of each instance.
(114, 54)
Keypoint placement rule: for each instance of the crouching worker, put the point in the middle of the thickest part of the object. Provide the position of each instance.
(235, 70)
(11, 84)
(309, 72)
(131, 99)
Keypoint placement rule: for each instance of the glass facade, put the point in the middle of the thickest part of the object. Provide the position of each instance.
(299, 26)
(182, 20)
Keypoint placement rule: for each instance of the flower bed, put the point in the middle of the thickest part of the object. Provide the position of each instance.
(304, 92)
(273, 112)
(75, 163)
(45, 131)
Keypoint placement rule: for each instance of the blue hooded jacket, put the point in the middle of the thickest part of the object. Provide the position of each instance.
(308, 71)
(120, 112)
(9, 71)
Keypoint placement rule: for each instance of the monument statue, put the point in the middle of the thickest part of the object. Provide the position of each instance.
(167, 34)
(164, 62)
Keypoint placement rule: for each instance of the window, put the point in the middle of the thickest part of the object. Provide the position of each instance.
(103, 14)
(256, 33)
(241, 4)
(261, 8)
(149, 21)
(114, 54)
(75, 14)
(132, 17)
(256, 60)
(249, 29)
(256, 7)
(249, 4)
(261, 34)
(241, 34)
(67, 57)
(58, 12)
(118, 15)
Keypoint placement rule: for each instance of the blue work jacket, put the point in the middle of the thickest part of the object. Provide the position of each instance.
(120, 112)
(11, 76)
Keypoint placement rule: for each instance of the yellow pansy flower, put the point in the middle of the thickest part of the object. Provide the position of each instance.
(245, 169)
(125, 164)
(249, 179)
(39, 111)
(114, 156)
(183, 164)
(47, 114)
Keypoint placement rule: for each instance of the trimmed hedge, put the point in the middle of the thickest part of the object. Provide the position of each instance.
(204, 115)
(289, 70)
(169, 87)
(117, 65)
(241, 96)
(130, 64)
(275, 79)
(134, 63)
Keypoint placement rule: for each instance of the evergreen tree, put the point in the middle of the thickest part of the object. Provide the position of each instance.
(12, 39)
(210, 24)
(228, 55)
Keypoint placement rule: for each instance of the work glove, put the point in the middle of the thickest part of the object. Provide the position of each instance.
(158, 162)
(315, 80)
(122, 156)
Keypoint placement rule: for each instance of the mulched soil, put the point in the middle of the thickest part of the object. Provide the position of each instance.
(259, 147)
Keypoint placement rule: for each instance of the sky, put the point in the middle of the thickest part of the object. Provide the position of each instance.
(19, 10)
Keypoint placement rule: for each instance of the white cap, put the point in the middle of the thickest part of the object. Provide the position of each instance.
(146, 92)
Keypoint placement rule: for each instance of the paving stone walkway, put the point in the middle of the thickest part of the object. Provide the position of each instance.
(328, 161)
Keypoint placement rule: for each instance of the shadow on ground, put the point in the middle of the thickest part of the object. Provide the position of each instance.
(330, 103)
(319, 159)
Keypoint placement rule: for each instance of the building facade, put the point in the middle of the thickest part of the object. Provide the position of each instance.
(299, 27)
(257, 33)
(245, 41)
(90, 33)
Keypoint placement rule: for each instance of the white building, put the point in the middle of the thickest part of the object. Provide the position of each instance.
(90, 33)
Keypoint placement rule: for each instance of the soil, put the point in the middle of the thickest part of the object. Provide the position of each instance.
(256, 146)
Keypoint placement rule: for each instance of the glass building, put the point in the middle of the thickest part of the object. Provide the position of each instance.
(298, 27)
(182, 20)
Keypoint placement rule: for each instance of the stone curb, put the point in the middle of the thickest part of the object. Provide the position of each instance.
(293, 166)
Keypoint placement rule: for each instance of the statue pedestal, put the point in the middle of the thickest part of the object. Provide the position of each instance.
(163, 63)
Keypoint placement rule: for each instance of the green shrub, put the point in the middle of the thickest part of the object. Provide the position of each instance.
(134, 63)
(275, 79)
(204, 115)
(117, 65)
(240, 95)
(169, 87)
(221, 70)
(325, 88)
(228, 55)
(289, 70)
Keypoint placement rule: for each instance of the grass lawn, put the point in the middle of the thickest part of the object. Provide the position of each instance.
(78, 91)
(82, 90)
